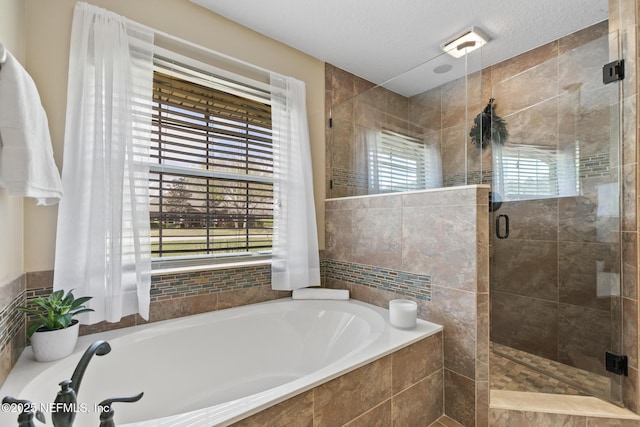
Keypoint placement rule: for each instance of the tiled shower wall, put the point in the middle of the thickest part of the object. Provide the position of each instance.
(436, 117)
(351, 117)
(624, 19)
(545, 275)
(434, 244)
(544, 283)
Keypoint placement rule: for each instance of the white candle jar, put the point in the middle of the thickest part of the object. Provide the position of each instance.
(403, 313)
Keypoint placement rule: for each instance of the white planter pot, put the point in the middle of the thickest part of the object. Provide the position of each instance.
(53, 345)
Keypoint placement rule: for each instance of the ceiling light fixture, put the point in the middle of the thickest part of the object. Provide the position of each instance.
(466, 42)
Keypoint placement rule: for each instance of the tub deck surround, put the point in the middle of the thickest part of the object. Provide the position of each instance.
(234, 362)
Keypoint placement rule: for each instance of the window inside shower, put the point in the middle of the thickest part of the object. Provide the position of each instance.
(527, 171)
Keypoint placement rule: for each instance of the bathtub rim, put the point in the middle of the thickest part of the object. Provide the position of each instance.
(391, 339)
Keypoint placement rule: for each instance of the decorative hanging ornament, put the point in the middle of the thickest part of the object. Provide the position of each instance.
(488, 127)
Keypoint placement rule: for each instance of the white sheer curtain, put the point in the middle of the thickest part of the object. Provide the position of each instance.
(103, 245)
(295, 260)
(371, 140)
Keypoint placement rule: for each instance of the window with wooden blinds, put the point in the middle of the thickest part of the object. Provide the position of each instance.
(211, 178)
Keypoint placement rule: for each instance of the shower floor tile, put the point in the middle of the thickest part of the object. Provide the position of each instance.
(517, 370)
(445, 421)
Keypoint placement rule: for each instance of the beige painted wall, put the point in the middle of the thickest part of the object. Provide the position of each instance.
(48, 29)
(12, 35)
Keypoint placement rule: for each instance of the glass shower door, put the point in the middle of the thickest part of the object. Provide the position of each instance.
(555, 236)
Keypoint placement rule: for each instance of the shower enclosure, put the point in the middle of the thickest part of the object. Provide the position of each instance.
(555, 258)
(555, 193)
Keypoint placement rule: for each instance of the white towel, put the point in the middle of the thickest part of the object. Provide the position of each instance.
(27, 167)
(320, 293)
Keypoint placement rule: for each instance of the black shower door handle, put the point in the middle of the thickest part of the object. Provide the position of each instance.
(506, 226)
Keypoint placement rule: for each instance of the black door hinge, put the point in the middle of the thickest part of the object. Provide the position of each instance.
(330, 122)
(617, 363)
(613, 71)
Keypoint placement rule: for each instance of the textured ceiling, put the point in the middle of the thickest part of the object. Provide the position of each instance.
(382, 41)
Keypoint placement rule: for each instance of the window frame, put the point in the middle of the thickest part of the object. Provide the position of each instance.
(179, 66)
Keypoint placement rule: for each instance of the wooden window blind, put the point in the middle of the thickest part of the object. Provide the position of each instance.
(211, 181)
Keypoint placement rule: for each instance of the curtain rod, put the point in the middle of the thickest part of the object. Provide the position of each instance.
(200, 47)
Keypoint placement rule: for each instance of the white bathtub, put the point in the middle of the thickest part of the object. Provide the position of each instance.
(219, 367)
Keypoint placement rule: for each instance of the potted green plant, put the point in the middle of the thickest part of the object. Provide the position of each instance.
(54, 334)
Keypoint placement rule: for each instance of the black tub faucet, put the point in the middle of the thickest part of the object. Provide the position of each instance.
(106, 408)
(66, 400)
(99, 348)
(25, 419)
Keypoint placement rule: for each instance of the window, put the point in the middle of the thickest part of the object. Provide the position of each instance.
(401, 163)
(530, 172)
(211, 182)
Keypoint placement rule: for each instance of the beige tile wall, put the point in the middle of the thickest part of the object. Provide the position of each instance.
(13, 336)
(456, 258)
(375, 108)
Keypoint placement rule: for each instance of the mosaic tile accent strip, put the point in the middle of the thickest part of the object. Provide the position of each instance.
(35, 293)
(11, 320)
(181, 285)
(595, 166)
(349, 178)
(473, 177)
(403, 283)
(323, 268)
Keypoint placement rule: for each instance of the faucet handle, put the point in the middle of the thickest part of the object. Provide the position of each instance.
(106, 408)
(66, 397)
(25, 419)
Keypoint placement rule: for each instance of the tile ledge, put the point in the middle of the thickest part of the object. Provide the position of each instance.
(402, 193)
(586, 406)
(207, 267)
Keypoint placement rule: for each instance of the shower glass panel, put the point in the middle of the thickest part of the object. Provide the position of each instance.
(555, 255)
(409, 133)
(552, 161)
